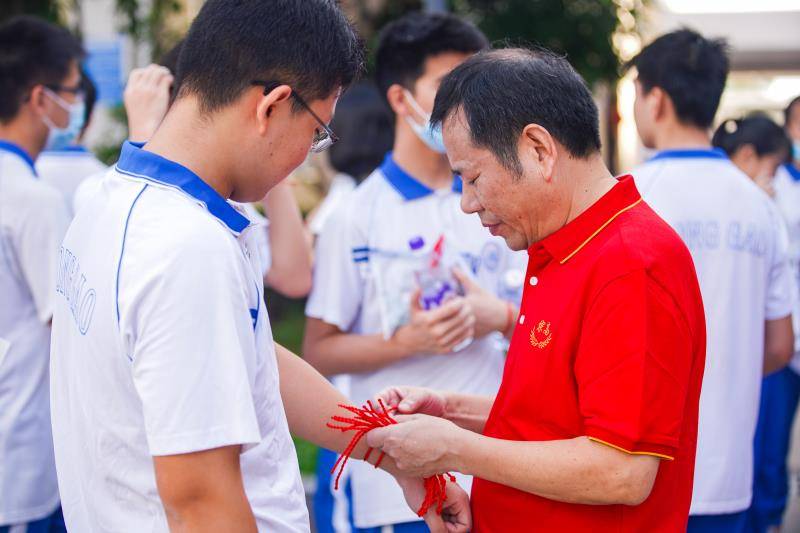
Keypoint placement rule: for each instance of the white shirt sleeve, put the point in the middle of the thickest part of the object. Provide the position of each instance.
(341, 254)
(39, 238)
(781, 289)
(184, 312)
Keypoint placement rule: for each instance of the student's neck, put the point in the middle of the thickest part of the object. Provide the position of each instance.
(181, 138)
(423, 164)
(676, 136)
(17, 133)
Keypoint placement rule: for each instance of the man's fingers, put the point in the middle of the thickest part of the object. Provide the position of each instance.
(449, 309)
(377, 437)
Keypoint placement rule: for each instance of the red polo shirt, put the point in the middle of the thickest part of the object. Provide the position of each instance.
(610, 344)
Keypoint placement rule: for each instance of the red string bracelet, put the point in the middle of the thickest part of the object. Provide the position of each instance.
(364, 420)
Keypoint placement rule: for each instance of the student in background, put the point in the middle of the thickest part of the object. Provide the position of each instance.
(756, 145)
(66, 164)
(364, 123)
(735, 235)
(366, 130)
(364, 273)
(780, 391)
(40, 97)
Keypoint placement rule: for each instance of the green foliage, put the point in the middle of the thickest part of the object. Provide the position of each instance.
(47, 9)
(149, 27)
(581, 29)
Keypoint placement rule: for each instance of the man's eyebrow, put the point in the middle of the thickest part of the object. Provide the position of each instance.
(456, 171)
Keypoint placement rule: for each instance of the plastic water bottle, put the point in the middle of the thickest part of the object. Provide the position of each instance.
(435, 280)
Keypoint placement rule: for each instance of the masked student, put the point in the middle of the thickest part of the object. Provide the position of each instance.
(736, 237)
(66, 162)
(172, 405)
(368, 314)
(40, 95)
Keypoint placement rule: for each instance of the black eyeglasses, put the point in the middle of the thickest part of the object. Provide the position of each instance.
(324, 138)
(77, 90)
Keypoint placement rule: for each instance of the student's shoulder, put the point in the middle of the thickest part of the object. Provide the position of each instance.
(34, 195)
(165, 222)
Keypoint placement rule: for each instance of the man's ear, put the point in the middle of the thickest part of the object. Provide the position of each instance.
(37, 99)
(661, 103)
(269, 103)
(396, 96)
(538, 146)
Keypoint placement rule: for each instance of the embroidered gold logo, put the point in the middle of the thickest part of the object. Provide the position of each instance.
(541, 331)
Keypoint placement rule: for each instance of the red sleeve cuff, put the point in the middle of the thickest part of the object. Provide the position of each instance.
(623, 444)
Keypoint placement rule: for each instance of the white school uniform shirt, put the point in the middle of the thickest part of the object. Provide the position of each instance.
(162, 346)
(371, 224)
(33, 219)
(66, 169)
(787, 196)
(737, 240)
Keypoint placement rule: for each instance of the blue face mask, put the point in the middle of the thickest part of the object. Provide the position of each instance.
(60, 138)
(432, 137)
(796, 150)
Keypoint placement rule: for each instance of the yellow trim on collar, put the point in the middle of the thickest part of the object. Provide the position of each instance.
(601, 228)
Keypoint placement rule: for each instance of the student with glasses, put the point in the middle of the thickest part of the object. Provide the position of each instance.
(172, 405)
(40, 103)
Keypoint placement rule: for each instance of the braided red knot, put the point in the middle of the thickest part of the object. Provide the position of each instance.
(364, 420)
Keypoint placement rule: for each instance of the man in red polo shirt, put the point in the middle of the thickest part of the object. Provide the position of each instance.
(595, 424)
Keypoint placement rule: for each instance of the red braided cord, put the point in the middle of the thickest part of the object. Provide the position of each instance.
(364, 420)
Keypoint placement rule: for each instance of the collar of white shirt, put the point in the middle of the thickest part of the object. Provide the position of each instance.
(409, 187)
(691, 153)
(6, 146)
(139, 163)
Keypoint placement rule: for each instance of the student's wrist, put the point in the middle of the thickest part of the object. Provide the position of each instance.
(404, 343)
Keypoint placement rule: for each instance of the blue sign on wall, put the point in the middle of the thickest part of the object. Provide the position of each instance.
(104, 64)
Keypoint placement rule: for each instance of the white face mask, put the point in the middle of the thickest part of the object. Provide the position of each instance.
(60, 138)
(432, 137)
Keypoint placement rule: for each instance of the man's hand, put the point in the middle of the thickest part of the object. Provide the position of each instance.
(411, 400)
(439, 330)
(146, 100)
(491, 312)
(456, 516)
(420, 445)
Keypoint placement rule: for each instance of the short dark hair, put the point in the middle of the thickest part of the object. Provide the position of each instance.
(307, 44)
(758, 130)
(365, 128)
(406, 43)
(787, 113)
(691, 69)
(32, 52)
(89, 98)
(502, 91)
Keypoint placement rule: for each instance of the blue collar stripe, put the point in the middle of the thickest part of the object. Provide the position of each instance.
(140, 163)
(793, 171)
(73, 149)
(12, 148)
(408, 187)
(699, 153)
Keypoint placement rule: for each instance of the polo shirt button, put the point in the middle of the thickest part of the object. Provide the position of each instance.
(521, 319)
(534, 281)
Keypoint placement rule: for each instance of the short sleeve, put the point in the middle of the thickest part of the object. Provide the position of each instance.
(341, 251)
(781, 282)
(184, 313)
(633, 367)
(38, 242)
